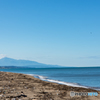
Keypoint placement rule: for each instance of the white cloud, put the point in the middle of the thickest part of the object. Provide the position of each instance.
(90, 57)
(2, 56)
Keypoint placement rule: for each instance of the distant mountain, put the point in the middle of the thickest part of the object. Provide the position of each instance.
(23, 63)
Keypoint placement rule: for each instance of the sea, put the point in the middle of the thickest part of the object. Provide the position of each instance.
(87, 77)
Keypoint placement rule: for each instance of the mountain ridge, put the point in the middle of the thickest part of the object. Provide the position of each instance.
(23, 63)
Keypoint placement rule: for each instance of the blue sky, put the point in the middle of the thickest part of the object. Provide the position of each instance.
(60, 32)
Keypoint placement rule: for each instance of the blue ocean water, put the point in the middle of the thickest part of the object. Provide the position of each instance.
(74, 76)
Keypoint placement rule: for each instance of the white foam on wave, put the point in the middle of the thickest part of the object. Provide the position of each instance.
(56, 81)
(61, 82)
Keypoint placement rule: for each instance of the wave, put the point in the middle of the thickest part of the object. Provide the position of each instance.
(63, 83)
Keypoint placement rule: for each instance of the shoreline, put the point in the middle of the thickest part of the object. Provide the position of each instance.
(43, 78)
(27, 87)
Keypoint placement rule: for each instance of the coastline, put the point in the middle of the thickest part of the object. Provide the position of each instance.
(27, 87)
(62, 82)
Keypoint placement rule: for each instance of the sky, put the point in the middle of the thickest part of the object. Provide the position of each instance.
(57, 32)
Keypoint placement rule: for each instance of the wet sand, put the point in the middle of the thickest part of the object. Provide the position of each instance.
(14, 86)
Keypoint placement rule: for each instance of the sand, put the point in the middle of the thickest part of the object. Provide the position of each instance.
(14, 86)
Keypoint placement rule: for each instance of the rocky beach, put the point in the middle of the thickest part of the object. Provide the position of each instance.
(14, 86)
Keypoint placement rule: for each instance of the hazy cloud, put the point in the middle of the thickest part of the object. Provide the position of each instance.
(2, 56)
(90, 57)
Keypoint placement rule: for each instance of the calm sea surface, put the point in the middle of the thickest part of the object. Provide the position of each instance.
(74, 76)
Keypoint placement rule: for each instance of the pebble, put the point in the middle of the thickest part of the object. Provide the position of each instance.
(13, 98)
(0, 95)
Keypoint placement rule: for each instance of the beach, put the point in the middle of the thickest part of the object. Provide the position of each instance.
(16, 86)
